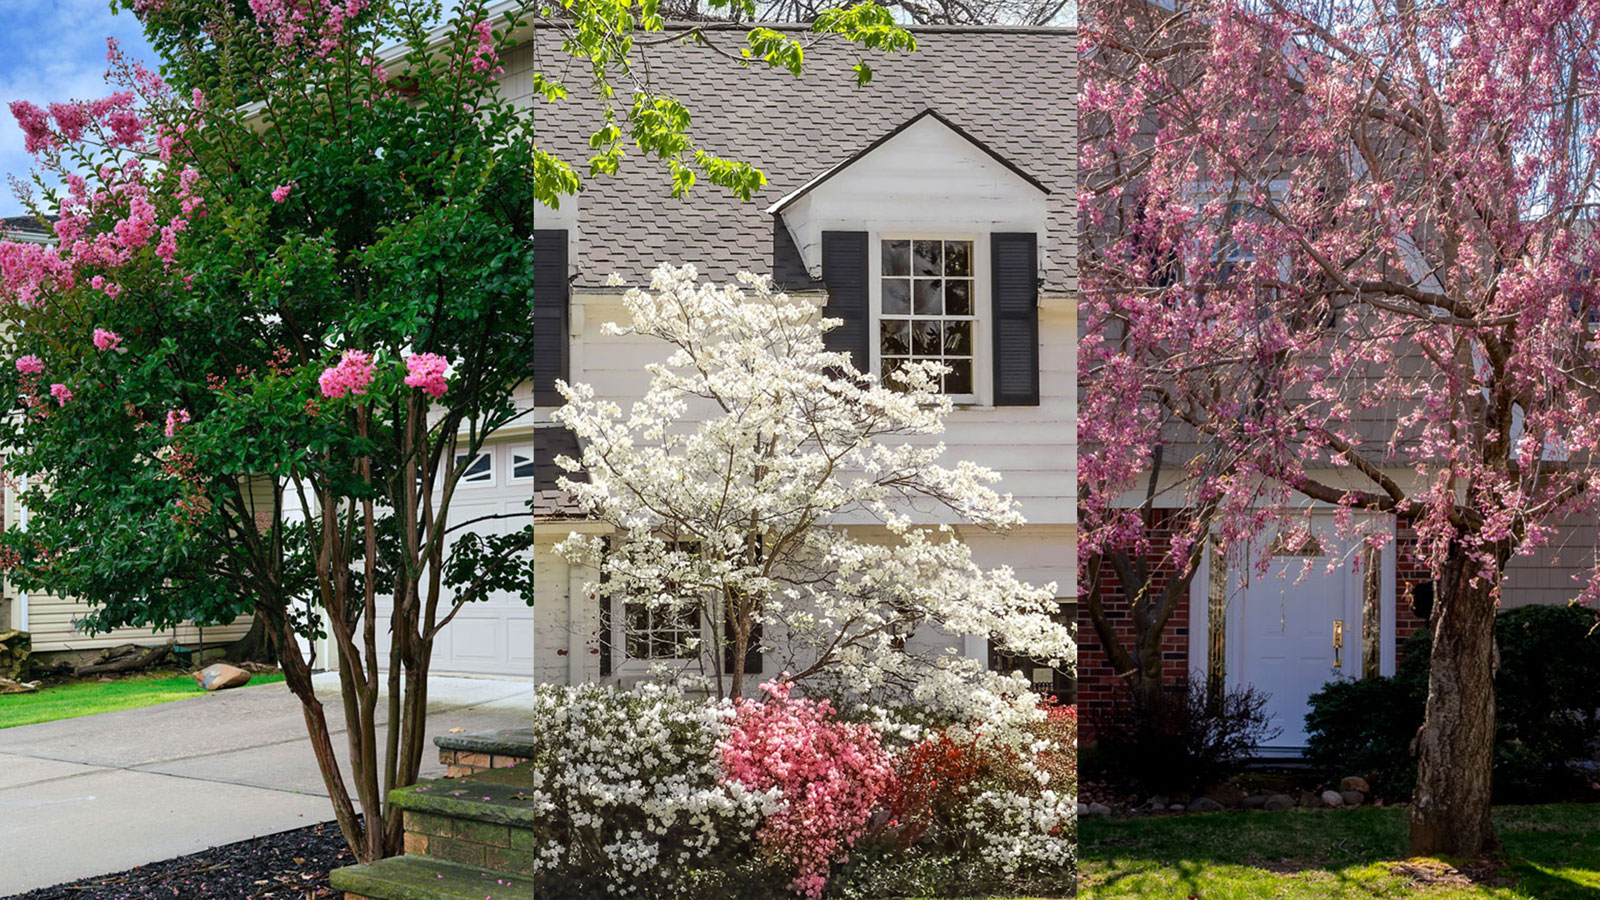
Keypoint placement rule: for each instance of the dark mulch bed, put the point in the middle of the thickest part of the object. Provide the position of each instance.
(289, 865)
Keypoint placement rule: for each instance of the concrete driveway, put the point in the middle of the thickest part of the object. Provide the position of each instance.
(98, 794)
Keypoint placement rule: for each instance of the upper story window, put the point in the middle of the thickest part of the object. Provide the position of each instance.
(928, 309)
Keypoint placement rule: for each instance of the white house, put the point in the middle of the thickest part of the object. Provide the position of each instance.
(932, 210)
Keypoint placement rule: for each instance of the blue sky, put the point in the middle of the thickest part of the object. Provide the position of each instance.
(53, 50)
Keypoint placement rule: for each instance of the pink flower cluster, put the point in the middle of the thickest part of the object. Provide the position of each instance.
(62, 393)
(484, 57)
(106, 340)
(350, 376)
(427, 371)
(281, 192)
(832, 775)
(30, 365)
(319, 22)
(176, 419)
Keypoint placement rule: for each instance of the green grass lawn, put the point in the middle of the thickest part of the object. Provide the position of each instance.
(1551, 853)
(85, 698)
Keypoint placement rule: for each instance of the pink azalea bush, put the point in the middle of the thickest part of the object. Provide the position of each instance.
(831, 775)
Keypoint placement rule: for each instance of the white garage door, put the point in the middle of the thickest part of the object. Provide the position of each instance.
(492, 636)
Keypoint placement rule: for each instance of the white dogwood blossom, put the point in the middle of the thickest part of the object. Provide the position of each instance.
(800, 505)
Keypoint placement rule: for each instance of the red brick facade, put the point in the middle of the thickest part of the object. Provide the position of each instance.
(1098, 683)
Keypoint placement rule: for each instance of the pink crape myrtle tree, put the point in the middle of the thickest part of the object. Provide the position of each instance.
(290, 291)
(1342, 256)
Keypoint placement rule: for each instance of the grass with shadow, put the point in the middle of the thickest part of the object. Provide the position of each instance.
(1550, 853)
(83, 698)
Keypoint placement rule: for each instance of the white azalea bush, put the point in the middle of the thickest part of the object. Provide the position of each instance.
(632, 789)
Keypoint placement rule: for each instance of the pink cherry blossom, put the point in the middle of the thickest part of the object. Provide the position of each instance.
(351, 375)
(427, 371)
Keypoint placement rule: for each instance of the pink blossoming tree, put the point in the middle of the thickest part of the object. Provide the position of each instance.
(231, 367)
(1346, 252)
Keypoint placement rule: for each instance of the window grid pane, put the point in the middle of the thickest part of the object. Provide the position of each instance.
(927, 312)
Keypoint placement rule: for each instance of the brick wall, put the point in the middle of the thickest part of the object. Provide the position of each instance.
(1410, 570)
(1098, 685)
(465, 762)
(504, 848)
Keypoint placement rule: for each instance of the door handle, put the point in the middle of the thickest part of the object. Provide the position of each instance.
(1338, 643)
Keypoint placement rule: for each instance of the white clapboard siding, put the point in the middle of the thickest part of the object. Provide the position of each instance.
(1034, 448)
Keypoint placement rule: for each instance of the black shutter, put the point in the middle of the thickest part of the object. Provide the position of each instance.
(844, 271)
(1015, 258)
(550, 298)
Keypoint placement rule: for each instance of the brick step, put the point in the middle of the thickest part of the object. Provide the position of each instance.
(421, 878)
(465, 839)
(475, 820)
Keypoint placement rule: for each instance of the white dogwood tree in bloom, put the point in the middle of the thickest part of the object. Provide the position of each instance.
(744, 485)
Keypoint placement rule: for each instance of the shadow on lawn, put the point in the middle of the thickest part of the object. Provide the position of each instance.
(1551, 853)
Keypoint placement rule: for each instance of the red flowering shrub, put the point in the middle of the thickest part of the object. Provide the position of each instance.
(832, 775)
(929, 783)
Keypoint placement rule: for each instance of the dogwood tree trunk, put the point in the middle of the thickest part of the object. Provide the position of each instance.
(1450, 811)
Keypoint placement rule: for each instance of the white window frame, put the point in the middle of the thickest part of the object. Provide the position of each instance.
(982, 306)
(464, 480)
(513, 452)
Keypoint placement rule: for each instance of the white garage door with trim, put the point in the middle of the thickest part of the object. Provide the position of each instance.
(492, 636)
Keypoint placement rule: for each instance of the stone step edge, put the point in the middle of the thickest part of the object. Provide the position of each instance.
(470, 805)
(422, 878)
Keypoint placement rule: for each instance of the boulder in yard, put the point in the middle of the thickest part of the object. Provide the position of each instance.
(1332, 799)
(1205, 804)
(1097, 809)
(1355, 783)
(221, 676)
(1352, 798)
(1278, 802)
(1258, 801)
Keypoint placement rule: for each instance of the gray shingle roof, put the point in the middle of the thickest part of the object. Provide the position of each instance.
(1013, 89)
(550, 502)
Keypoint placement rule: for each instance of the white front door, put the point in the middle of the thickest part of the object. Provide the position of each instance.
(1294, 612)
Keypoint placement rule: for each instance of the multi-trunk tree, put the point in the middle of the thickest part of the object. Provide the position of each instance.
(1350, 248)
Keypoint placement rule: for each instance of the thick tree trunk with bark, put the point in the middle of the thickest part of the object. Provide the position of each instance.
(1455, 747)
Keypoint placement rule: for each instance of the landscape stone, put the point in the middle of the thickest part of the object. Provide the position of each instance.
(1309, 800)
(1205, 805)
(1176, 807)
(1256, 801)
(1278, 802)
(1352, 798)
(1097, 809)
(221, 676)
(1355, 783)
(1332, 799)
